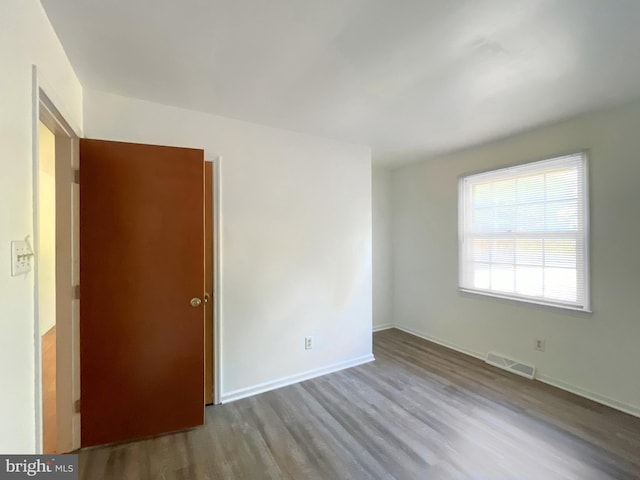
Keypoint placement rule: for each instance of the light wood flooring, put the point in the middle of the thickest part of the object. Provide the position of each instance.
(420, 411)
(49, 420)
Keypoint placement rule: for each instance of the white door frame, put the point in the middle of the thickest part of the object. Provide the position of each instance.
(217, 280)
(45, 108)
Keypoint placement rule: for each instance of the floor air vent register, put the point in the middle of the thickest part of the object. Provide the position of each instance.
(513, 366)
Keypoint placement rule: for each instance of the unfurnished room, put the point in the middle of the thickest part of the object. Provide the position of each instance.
(352, 239)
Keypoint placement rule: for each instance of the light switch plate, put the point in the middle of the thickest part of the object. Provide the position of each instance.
(21, 258)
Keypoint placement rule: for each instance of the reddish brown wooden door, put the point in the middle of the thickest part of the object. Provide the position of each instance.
(141, 263)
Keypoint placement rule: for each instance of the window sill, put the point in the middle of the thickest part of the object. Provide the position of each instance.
(516, 298)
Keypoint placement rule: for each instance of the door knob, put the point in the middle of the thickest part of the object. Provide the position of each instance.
(195, 302)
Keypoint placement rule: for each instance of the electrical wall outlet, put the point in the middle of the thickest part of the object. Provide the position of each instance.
(539, 344)
(308, 343)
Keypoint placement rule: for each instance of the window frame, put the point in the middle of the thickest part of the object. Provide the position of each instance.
(464, 202)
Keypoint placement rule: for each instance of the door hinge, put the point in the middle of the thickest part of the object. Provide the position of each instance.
(76, 177)
(76, 292)
(76, 406)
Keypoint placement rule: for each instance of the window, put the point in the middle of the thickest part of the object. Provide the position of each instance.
(523, 232)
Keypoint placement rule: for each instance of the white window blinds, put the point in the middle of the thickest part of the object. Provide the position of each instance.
(523, 232)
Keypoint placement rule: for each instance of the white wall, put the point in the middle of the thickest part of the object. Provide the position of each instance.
(382, 271)
(295, 239)
(26, 38)
(46, 249)
(595, 354)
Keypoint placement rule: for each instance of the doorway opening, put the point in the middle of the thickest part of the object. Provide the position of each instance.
(56, 239)
(46, 249)
(57, 279)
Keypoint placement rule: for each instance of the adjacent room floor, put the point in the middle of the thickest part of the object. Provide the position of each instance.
(420, 411)
(49, 414)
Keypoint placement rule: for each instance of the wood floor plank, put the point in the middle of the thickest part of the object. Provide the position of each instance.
(420, 411)
(49, 402)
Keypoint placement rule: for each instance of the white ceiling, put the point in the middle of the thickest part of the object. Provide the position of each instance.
(411, 78)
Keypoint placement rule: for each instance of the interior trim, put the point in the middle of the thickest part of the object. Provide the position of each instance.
(291, 379)
(581, 392)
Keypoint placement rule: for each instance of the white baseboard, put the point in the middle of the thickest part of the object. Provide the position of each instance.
(451, 346)
(291, 379)
(596, 397)
(385, 326)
